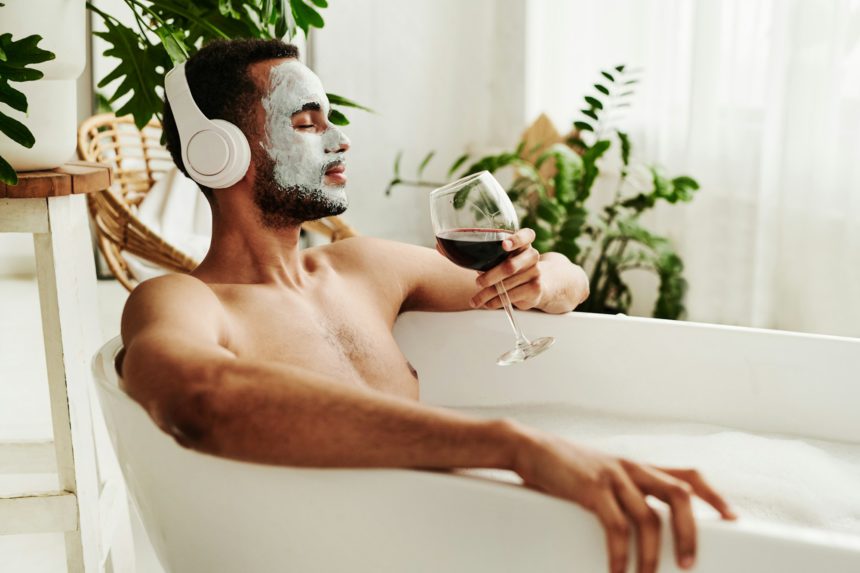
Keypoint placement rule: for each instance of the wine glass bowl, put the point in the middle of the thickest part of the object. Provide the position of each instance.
(471, 219)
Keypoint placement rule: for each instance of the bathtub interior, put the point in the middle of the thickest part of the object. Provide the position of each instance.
(769, 417)
(680, 382)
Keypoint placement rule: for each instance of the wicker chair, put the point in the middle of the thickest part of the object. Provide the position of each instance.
(138, 160)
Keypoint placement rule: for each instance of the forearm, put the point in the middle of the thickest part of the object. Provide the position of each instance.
(567, 284)
(273, 414)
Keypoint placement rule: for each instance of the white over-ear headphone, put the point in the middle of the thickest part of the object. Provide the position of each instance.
(215, 152)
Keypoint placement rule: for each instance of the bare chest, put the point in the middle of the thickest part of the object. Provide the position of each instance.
(343, 336)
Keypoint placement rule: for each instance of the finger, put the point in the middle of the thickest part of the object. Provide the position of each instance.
(676, 493)
(518, 240)
(487, 294)
(513, 265)
(646, 520)
(704, 490)
(617, 532)
(524, 297)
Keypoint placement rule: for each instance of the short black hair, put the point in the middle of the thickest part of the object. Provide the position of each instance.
(222, 88)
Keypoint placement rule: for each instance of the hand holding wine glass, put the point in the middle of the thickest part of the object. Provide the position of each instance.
(471, 219)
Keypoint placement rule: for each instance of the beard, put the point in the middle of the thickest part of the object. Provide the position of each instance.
(282, 207)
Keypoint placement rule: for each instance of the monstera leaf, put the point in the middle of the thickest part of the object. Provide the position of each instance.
(16, 57)
(183, 26)
(140, 69)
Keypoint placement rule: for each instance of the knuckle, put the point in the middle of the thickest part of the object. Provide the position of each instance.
(650, 519)
(619, 527)
(605, 477)
(680, 491)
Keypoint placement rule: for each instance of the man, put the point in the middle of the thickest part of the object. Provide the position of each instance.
(272, 354)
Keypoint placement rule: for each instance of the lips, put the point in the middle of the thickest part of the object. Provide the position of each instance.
(334, 173)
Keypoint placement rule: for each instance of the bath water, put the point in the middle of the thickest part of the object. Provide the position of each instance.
(807, 482)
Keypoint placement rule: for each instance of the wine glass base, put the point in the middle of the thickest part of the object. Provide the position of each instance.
(526, 351)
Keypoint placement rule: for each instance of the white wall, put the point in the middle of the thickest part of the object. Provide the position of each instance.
(441, 74)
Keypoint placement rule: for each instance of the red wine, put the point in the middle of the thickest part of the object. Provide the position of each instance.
(478, 249)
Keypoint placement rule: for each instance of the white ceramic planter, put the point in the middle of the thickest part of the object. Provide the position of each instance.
(52, 113)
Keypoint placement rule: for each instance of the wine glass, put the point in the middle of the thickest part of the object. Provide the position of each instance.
(471, 217)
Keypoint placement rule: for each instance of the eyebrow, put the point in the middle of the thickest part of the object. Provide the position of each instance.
(310, 106)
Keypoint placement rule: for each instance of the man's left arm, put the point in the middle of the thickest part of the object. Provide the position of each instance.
(548, 282)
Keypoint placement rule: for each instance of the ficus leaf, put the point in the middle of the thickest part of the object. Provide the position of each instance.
(337, 118)
(582, 126)
(602, 89)
(341, 101)
(397, 159)
(594, 102)
(624, 139)
(608, 76)
(457, 164)
(424, 162)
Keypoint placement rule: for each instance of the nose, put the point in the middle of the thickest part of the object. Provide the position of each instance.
(337, 141)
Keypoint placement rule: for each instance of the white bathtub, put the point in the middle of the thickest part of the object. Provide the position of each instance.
(205, 514)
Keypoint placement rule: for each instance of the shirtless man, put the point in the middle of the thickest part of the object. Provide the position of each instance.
(272, 354)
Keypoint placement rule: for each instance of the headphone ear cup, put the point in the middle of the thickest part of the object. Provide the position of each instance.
(240, 153)
(218, 156)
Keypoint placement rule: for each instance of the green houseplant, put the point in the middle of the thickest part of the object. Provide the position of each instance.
(16, 60)
(607, 239)
(167, 32)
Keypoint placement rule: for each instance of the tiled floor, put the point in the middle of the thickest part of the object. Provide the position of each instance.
(24, 414)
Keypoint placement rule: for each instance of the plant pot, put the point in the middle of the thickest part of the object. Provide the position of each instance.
(53, 119)
(52, 101)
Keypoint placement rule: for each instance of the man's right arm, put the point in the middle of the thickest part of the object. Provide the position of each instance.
(178, 366)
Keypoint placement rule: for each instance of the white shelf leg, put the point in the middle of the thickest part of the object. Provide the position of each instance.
(66, 274)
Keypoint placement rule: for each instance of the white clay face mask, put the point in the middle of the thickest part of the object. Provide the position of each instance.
(301, 158)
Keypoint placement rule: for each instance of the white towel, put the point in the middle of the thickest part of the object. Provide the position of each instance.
(177, 211)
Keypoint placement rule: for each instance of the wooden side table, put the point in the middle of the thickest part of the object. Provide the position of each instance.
(90, 507)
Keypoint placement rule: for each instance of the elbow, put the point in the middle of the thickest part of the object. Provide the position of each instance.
(190, 420)
(585, 287)
(194, 414)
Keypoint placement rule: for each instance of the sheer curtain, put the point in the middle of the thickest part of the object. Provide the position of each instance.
(760, 101)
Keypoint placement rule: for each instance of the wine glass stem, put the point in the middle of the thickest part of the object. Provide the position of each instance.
(522, 341)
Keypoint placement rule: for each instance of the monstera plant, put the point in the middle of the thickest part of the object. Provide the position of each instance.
(167, 32)
(552, 187)
(16, 60)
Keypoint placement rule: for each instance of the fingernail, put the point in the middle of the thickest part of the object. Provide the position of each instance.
(506, 244)
(686, 562)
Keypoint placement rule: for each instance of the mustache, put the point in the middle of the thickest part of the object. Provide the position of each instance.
(331, 164)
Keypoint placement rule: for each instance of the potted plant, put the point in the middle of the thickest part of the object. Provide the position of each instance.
(552, 188)
(38, 119)
(167, 32)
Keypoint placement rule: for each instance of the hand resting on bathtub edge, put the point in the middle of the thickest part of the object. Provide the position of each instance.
(277, 355)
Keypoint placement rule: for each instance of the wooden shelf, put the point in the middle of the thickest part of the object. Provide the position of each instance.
(74, 177)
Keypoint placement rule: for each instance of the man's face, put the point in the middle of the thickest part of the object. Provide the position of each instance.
(300, 173)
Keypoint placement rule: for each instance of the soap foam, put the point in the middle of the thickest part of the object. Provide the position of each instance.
(807, 482)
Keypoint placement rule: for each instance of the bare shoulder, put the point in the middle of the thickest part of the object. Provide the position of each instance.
(171, 302)
(370, 248)
(420, 277)
(376, 257)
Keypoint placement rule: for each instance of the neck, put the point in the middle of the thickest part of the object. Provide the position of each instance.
(244, 251)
